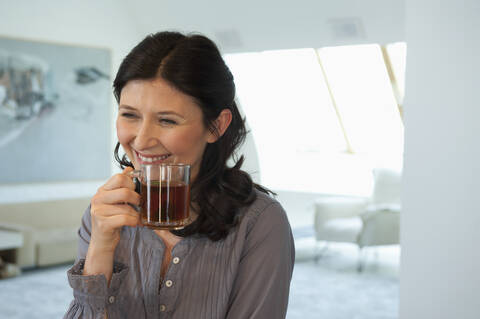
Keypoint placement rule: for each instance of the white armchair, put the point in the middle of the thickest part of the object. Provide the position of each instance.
(373, 221)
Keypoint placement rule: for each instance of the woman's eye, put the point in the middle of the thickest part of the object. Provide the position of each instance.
(128, 115)
(168, 121)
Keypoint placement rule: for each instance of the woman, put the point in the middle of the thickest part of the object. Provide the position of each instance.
(235, 260)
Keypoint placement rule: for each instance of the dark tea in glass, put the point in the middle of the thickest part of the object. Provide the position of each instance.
(165, 204)
(165, 195)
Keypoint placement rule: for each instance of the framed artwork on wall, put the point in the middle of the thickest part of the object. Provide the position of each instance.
(55, 112)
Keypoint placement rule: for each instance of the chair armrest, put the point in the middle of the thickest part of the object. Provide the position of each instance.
(381, 226)
(338, 207)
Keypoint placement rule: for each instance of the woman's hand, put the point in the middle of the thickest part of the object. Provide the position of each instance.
(110, 211)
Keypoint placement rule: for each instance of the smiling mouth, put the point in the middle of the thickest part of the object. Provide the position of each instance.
(152, 159)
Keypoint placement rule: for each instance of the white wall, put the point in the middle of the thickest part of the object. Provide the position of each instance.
(88, 23)
(92, 23)
(440, 228)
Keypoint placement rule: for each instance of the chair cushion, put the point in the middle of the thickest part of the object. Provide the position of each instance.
(335, 207)
(341, 229)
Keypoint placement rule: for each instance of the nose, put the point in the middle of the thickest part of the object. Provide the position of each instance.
(146, 136)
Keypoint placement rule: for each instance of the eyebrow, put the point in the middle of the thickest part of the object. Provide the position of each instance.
(128, 107)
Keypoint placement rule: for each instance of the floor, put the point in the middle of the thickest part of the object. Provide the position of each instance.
(329, 289)
(333, 288)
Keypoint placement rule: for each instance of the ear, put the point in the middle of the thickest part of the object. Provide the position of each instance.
(220, 125)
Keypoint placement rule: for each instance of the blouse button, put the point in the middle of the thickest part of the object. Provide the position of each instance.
(176, 260)
(168, 283)
(162, 308)
(111, 299)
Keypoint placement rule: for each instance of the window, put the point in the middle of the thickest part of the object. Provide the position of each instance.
(321, 119)
(396, 55)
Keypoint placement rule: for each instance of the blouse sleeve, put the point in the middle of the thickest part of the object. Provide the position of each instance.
(262, 284)
(92, 295)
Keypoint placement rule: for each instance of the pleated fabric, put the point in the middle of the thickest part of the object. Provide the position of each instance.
(246, 275)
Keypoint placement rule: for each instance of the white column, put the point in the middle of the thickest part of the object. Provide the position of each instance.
(440, 230)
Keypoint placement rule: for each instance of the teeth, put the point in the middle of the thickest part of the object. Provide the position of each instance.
(152, 159)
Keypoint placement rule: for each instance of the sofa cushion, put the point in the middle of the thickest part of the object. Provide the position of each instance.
(49, 229)
(51, 253)
(45, 215)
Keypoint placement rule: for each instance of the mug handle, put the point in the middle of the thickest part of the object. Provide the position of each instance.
(136, 175)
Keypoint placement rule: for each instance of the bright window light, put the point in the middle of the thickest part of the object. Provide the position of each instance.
(295, 123)
(368, 109)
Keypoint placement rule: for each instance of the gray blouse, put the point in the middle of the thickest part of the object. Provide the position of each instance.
(245, 275)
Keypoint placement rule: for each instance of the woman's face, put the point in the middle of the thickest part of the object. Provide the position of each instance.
(156, 123)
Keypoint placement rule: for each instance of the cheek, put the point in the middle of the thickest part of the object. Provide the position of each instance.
(187, 144)
(123, 133)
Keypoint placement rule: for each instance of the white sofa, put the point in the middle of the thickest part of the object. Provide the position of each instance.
(49, 230)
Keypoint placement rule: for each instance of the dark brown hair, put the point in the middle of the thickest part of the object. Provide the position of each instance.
(193, 65)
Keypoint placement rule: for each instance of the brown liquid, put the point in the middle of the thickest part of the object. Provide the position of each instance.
(166, 207)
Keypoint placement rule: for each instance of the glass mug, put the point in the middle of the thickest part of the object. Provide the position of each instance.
(165, 195)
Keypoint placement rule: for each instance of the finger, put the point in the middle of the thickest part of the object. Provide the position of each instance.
(117, 196)
(112, 210)
(109, 223)
(124, 220)
(120, 180)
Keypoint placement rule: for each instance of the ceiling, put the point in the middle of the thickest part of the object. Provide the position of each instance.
(250, 25)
